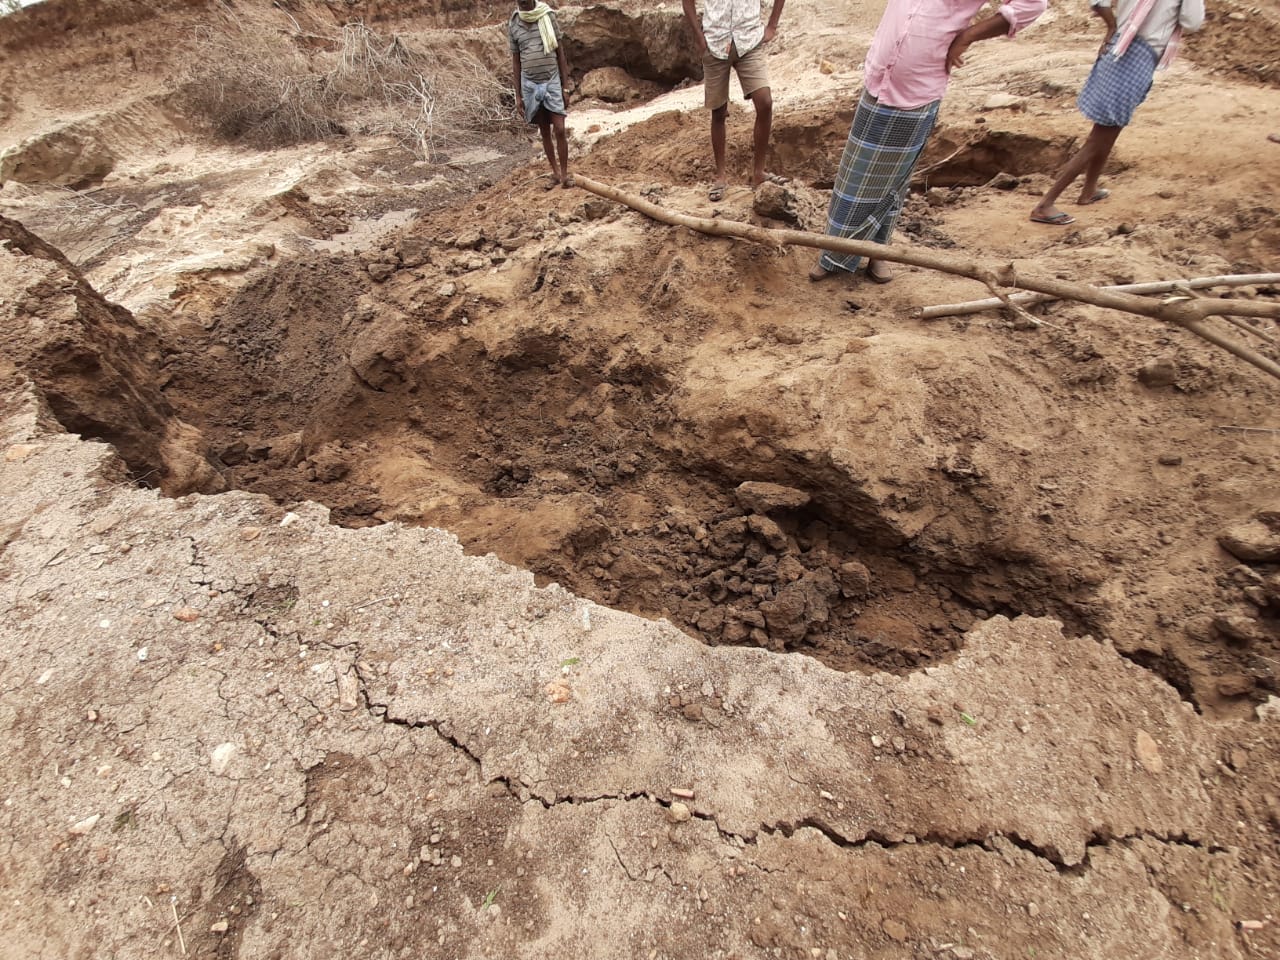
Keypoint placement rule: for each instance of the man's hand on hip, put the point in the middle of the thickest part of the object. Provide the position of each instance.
(955, 52)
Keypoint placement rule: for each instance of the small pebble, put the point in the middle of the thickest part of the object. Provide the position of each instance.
(85, 825)
(678, 813)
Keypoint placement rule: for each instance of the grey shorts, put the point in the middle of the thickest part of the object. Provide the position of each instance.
(752, 70)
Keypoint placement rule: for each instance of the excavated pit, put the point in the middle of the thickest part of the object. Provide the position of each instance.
(561, 451)
(808, 143)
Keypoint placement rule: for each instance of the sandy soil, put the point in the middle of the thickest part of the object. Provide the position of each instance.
(938, 652)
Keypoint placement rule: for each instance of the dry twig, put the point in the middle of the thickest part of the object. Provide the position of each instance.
(1191, 315)
(173, 905)
(1159, 286)
(251, 81)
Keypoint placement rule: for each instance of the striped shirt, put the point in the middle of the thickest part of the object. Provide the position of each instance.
(526, 40)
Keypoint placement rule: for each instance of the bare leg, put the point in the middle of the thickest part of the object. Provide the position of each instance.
(763, 100)
(1095, 151)
(562, 148)
(1106, 139)
(720, 119)
(544, 126)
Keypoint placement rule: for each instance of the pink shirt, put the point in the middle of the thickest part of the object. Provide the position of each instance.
(906, 65)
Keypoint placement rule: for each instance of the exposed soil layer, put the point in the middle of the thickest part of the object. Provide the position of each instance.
(527, 384)
(572, 440)
(314, 716)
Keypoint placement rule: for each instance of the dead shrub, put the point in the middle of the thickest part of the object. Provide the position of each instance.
(253, 82)
(249, 82)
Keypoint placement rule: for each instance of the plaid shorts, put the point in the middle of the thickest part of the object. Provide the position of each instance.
(1116, 87)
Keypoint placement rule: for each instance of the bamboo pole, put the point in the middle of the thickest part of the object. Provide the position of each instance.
(1159, 286)
(1186, 312)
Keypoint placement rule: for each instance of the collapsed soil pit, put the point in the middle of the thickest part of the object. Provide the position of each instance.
(807, 144)
(561, 450)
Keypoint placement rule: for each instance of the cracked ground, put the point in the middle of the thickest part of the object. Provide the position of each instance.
(276, 713)
(771, 622)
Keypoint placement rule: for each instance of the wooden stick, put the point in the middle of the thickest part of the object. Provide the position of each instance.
(1228, 426)
(173, 905)
(1186, 313)
(1159, 286)
(1248, 327)
(922, 173)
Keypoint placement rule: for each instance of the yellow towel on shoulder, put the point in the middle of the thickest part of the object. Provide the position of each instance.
(540, 15)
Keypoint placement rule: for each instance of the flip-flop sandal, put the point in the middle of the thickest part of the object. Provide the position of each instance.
(818, 274)
(716, 193)
(775, 178)
(568, 182)
(551, 185)
(1057, 220)
(1098, 197)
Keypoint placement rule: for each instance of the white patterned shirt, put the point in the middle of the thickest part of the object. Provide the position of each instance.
(731, 23)
(1158, 25)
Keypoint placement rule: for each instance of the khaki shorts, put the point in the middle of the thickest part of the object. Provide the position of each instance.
(753, 74)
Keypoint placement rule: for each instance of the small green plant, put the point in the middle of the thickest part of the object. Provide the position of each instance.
(570, 662)
(967, 718)
(489, 897)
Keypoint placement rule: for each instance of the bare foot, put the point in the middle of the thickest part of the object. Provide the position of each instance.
(568, 182)
(555, 182)
(820, 273)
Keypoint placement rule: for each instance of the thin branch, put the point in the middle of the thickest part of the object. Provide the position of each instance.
(1249, 328)
(1188, 314)
(1159, 286)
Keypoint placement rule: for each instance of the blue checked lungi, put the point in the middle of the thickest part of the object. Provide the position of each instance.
(875, 172)
(1116, 87)
(547, 94)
